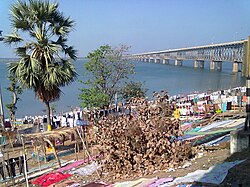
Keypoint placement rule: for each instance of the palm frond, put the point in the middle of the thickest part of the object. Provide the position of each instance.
(21, 51)
(60, 25)
(60, 41)
(58, 75)
(71, 52)
(12, 38)
(20, 12)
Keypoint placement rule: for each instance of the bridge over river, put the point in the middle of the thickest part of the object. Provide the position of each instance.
(237, 52)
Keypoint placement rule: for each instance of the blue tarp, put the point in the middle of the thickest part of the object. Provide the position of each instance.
(81, 123)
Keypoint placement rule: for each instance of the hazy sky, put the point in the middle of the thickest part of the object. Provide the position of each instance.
(147, 25)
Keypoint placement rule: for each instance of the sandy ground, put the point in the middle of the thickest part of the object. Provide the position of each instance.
(206, 157)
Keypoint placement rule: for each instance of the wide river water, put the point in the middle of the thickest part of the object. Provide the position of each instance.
(175, 79)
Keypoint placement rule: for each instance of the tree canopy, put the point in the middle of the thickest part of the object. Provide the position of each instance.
(133, 89)
(107, 71)
(16, 90)
(40, 33)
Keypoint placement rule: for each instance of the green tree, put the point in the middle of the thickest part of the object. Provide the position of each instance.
(15, 89)
(92, 98)
(133, 89)
(107, 71)
(45, 58)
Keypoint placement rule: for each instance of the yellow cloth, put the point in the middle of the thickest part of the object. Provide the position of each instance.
(49, 149)
(49, 127)
(177, 114)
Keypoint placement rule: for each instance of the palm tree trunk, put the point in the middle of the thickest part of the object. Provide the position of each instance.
(48, 112)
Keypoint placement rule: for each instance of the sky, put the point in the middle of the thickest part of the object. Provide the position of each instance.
(146, 25)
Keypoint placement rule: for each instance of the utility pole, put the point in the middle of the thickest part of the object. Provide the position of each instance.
(1, 99)
(1, 108)
(1, 38)
(247, 51)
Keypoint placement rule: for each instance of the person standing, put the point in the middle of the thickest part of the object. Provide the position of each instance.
(177, 113)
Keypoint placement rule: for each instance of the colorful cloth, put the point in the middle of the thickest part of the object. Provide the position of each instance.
(50, 178)
(76, 164)
(70, 166)
(66, 183)
(146, 182)
(2, 140)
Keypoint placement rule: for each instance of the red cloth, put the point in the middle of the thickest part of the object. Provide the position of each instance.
(50, 178)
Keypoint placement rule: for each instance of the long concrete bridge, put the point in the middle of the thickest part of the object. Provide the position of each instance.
(237, 52)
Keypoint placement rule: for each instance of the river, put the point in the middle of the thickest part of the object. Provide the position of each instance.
(175, 79)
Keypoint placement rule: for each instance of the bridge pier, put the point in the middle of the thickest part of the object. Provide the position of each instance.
(157, 60)
(165, 61)
(219, 65)
(196, 64)
(212, 65)
(201, 63)
(178, 62)
(235, 67)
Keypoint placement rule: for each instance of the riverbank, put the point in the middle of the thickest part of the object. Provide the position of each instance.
(143, 119)
(193, 105)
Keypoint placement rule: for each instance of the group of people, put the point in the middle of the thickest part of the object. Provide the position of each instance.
(11, 165)
(197, 104)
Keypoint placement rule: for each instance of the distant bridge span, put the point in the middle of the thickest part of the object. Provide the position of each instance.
(236, 52)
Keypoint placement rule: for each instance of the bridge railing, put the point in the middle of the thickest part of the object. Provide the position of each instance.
(232, 51)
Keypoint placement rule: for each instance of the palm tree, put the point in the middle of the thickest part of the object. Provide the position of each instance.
(45, 58)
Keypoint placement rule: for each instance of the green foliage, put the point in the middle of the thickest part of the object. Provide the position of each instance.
(16, 90)
(42, 66)
(92, 98)
(133, 89)
(107, 71)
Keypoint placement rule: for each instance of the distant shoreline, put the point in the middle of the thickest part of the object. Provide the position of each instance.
(8, 59)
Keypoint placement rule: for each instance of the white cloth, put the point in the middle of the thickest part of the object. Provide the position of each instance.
(86, 170)
(214, 175)
(70, 121)
(64, 122)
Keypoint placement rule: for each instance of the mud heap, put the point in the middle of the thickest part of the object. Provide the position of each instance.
(143, 141)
